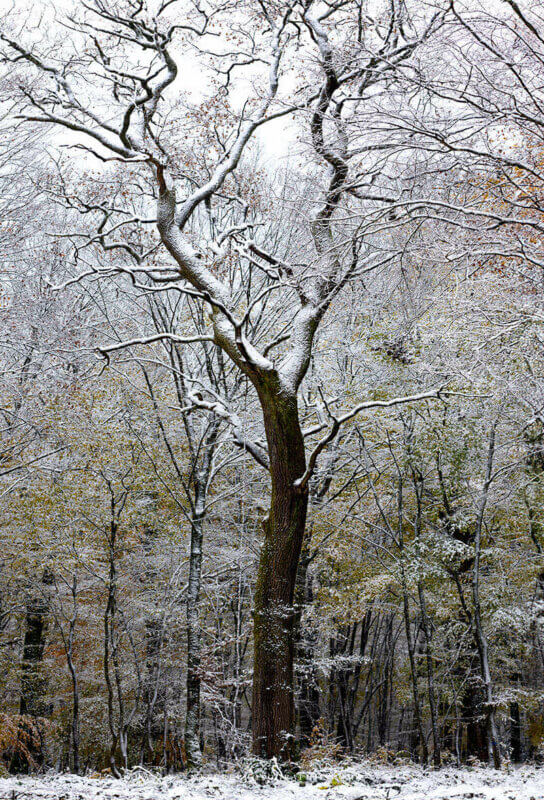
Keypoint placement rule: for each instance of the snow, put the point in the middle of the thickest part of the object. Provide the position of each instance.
(364, 781)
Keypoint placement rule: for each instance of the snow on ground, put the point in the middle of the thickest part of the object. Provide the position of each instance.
(356, 782)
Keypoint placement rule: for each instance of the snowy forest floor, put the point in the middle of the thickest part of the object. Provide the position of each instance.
(365, 781)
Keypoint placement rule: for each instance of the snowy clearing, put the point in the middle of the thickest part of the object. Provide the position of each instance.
(367, 782)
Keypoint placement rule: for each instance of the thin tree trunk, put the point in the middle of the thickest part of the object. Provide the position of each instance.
(384, 693)
(343, 677)
(481, 639)
(417, 479)
(192, 716)
(194, 644)
(413, 672)
(109, 645)
(73, 675)
(430, 675)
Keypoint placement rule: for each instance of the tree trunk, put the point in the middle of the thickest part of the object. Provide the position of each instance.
(411, 644)
(32, 700)
(515, 732)
(344, 676)
(480, 637)
(153, 692)
(192, 716)
(75, 683)
(273, 690)
(430, 675)
(476, 743)
(194, 644)
(491, 724)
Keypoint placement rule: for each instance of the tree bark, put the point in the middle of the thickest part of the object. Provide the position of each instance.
(109, 647)
(75, 683)
(32, 702)
(476, 740)
(411, 644)
(192, 716)
(153, 692)
(515, 732)
(479, 634)
(430, 675)
(194, 644)
(274, 613)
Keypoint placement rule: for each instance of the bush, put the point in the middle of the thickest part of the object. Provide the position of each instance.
(21, 741)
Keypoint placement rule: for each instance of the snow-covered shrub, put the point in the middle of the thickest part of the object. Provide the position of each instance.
(260, 771)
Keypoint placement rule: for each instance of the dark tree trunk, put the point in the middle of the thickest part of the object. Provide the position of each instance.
(192, 716)
(425, 624)
(344, 676)
(153, 694)
(515, 732)
(273, 690)
(33, 701)
(476, 729)
(412, 652)
(194, 645)
(110, 648)
(69, 645)
(384, 691)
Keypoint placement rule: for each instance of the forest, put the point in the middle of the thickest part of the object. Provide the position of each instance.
(271, 386)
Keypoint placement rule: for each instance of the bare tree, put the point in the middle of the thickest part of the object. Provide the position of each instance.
(121, 115)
